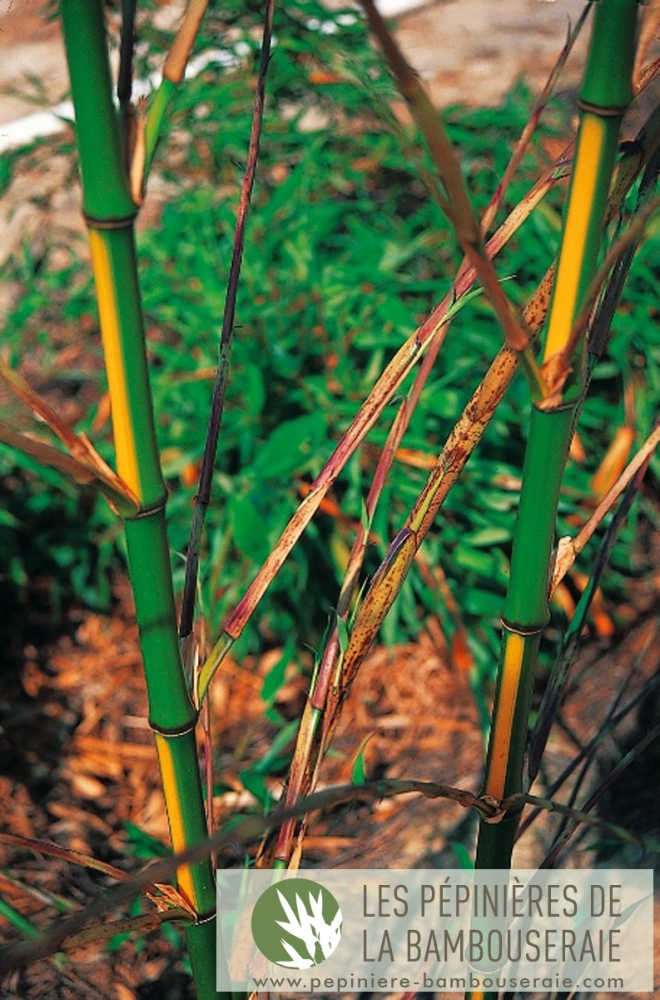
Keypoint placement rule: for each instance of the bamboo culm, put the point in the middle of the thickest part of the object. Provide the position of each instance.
(109, 213)
(604, 97)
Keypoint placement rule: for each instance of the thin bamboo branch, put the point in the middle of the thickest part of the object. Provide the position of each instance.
(254, 827)
(599, 331)
(605, 730)
(571, 641)
(388, 383)
(569, 547)
(579, 816)
(102, 932)
(203, 498)
(63, 854)
(173, 71)
(533, 121)
(456, 204)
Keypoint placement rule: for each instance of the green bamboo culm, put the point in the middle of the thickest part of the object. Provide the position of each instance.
(109, 213)
(604, 96)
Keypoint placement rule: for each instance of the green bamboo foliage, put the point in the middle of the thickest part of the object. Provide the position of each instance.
(330, 685)
(411, 353)
(109, 212)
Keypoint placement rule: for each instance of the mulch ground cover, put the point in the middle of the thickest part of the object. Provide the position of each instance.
(79, 769)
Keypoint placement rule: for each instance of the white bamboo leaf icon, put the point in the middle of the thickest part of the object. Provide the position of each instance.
(300, 926)
(327, 934)
(297, 961)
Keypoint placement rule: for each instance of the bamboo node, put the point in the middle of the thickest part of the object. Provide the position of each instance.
(603, 110)
(524, 629)
(125, 222)
(494, 807)
(555, 371)
(171, 734)
(147, 511)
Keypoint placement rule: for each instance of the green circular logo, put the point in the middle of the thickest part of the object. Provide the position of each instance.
(296, 923)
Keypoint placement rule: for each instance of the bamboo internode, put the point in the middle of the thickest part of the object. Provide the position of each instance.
(605, 94)
(109, 212)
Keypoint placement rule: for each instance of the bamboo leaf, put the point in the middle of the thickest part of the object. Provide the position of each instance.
(463, 855)
(248, 528)
(222, 376)
(64, 854)
(24, 391)
(456, 204)
(288, 446)
(118, 494)
(358, 770)
(173, 71)
(107, 929)
(342, 633)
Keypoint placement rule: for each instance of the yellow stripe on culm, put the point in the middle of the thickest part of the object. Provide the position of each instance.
(506, 707)
(585, 177)
(125, 447)
(175, 816)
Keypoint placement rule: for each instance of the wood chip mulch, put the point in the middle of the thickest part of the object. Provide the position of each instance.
(78, 765)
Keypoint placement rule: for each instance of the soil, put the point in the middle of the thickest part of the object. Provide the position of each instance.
(467, 51)
(471, 51)
(78, 762)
